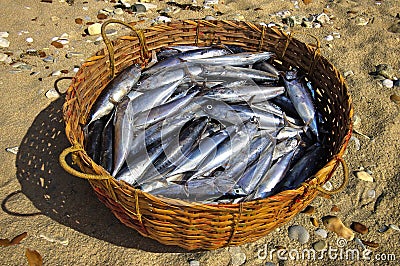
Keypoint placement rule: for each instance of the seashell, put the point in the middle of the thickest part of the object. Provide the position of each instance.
(328, 186)
(348, 73)
(383, 229)
(321, 232)
(359, 228)
(299, 233)
(94, 29)
(316, 25)
(118, 11)
(56, 73)
(3, 57)
(309, 210)
(360, 21)
(161, 19)
(334, 224)
(102, 16)
(3, 34)
(370, 244)
(57, 44)
(13, 150)
(395, 98)
(210, 18)
(237, 256)
(139, 8)
(371, 193)
(73, 54)
(323, 18)
(52, 94)
(79, 21)
(394, 227)
(4, 42)
(319, 245)
(388, 83)
(194, 263)
(328, 38)
(48, 59)
(363, 175)
(314, 221)
(356, 120)
(360, 243)
(335, 208)
(29, 40)
(307, 24)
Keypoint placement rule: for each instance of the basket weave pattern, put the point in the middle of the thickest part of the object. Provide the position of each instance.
(201, 226)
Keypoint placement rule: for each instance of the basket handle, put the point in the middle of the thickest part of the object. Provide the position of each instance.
(345, 178)
(144, 53)
(71, 170)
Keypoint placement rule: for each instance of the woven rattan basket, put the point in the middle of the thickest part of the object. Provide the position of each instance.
(201, 226)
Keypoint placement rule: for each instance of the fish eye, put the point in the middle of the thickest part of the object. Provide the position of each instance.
(209, 107)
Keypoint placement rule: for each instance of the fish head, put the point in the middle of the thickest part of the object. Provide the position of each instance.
(291, 75)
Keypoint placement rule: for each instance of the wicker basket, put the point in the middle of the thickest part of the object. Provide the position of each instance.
(203, 226)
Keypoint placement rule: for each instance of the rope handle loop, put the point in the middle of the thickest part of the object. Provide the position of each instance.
(71, 170)
(345, 178)
(144, 53)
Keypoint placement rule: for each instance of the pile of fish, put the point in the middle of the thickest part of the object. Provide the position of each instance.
(208, 124)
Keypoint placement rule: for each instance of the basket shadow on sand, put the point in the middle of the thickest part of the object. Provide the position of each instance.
(64, 198)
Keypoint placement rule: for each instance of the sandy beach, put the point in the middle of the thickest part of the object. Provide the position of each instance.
(65, 222)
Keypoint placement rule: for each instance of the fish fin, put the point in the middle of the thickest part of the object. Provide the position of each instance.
(291, 124)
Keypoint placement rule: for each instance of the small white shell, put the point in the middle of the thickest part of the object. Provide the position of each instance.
(299, 233)
(363, 175)
(321, 232)
(52, 94)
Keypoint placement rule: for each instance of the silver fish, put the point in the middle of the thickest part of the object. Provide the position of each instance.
(123, 134)
(169, 75)
(107, 145)
(160, 112)
(240, 59)
(137, 163)
(253, 174)
(273, 176)
(139, 157)
(237, 72)
(203, 149)
(198, 190)
(190, 54)
(246, 93)
(288, 132)
(204, 53)
(226, 151)
(305, 167)
(175, 151)
(301, 100)
(285, 147)
(266, 120)
(93, 140)
(264, 66)
(153, 98)
(114, 92)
